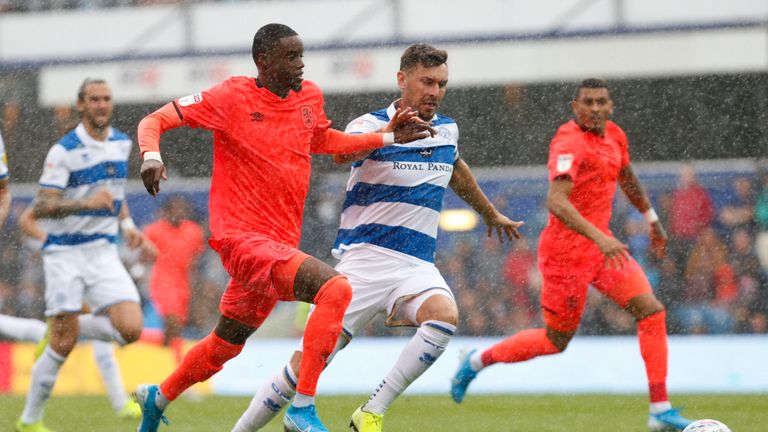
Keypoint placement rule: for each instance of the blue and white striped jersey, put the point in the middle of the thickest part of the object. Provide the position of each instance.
(3, 160)
(395, 194)
(79, 165)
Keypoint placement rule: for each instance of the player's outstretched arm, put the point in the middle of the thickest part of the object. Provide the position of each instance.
(50, 203)
(635, 192)
(5, 200)
(149, 131)
(616, 252)
(464, 183)
(402, 128)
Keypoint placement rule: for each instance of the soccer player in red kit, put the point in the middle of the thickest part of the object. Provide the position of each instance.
(265, 129)
(180, 242)
(588, 157)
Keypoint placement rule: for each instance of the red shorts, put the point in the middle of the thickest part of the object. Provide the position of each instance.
(563, 296)
(171, 301)
(262, 272)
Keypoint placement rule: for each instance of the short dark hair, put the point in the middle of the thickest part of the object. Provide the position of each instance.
(266, 37)
(592, 83)
(86, 83)
(422, 54)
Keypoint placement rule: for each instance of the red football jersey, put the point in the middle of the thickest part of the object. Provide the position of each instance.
(593, 164)
(261, 155)
(177, 250)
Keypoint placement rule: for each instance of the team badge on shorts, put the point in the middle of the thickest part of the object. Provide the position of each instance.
(564, 162)
(307, 116)
(279, 247)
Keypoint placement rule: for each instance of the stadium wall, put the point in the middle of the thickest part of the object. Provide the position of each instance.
(698, 364)
(670, 118)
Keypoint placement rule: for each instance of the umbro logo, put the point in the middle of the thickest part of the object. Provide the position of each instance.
(257, 117)
(425, 152)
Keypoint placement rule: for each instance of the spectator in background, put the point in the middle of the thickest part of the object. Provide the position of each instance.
(690, 213)
(179, 243)
(738, 211)
(708, 289)
(524, 282)
(761, 222)
(749, 308)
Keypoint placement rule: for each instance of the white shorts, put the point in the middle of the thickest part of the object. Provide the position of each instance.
(389, 286)
(90, 274)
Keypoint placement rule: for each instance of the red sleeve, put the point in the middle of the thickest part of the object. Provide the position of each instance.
(565, 156)
(332, 141)
(152, 126)
(208, 109)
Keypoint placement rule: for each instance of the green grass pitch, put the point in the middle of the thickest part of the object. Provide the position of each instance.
(520, 413)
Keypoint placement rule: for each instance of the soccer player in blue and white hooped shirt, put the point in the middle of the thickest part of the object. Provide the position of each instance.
(5, 193)
(82, 204)
(386, 241)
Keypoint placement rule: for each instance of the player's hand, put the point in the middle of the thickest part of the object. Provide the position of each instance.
(151, 172)
(407, 126)
(503, 226)
(658, 240)
(102, 199)
(616, 253)
(133, 238)
(148, 252)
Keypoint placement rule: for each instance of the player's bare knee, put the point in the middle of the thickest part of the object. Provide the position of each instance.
(130, 334)
(63, 344)
(447, 315)
(559, 339)
(644, 306)
(438, 307)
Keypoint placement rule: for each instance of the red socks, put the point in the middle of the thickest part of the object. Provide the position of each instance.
(322, 331)
(523, 345)
(201, 362)
(652, 333)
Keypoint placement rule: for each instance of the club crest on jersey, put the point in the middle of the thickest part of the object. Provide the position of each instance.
(564, 162)
(191, 99)
(425, 152)
(307, 116)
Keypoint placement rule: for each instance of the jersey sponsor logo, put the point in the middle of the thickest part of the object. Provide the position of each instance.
(307, 116)
(191, 99)
(564, 162)
(421, 166)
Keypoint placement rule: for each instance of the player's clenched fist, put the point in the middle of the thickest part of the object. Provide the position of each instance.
(151, 173)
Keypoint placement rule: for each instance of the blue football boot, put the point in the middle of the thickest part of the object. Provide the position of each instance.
(303, 419)
(151, 415)
(464, 375)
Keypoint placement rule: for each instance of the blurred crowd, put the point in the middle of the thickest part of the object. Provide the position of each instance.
(713, 280)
